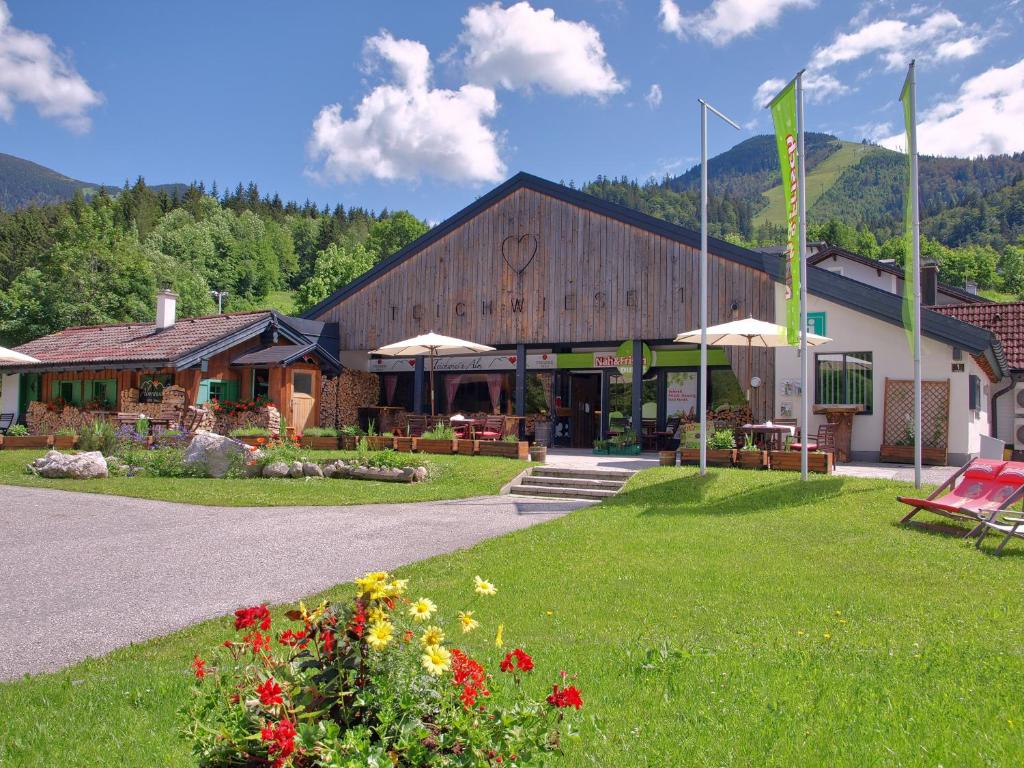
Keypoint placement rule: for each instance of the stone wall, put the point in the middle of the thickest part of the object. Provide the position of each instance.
(343, 396)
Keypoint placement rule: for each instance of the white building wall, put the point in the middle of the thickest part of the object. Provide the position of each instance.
(853, 331)
(9, 384)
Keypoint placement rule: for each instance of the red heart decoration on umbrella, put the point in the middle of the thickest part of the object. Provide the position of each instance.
(512, 360)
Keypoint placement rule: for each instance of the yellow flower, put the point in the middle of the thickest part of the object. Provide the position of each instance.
(312, 616)
(499, 639)
(422, 609)
(435, 659)
(397, 587)
(484, 587)
(432, 636)
(377, 614)
(380, 634)
(373, 585)
(827, 636)
(467, 621)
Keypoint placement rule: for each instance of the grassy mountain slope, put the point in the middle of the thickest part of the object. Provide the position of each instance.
(819, 180)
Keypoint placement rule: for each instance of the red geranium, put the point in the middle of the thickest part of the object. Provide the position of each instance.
(258, 641)
(291, 638)
(281, 738)
(327, 637)
(565, 697)
(248, 617)
(199, 667)
(517, 660)
(270, 693)
(358, 625)
(470, 676)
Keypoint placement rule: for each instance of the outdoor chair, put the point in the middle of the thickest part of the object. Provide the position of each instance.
(6, 420)
(976, 492)
(417, 425)
(825, 441)
(494, 428)
(1010, 525)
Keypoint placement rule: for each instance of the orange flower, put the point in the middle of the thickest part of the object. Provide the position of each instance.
(261, 440)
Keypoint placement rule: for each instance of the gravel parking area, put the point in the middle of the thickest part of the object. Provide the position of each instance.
(83, 574)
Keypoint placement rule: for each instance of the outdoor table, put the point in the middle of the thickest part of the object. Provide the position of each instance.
(467, 423)
(772, 434)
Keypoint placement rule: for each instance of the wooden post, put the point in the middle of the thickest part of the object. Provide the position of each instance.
(417, 387)
(521, 387)
(638, 386)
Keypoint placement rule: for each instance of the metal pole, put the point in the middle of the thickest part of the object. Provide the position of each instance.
(702, 395)
(804, 390)
(916, 235)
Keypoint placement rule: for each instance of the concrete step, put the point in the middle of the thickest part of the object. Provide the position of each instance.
(620, 475)
(559, 492)
(573, 482)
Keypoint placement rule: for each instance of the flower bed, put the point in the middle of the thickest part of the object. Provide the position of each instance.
(374, 681)
(790, 460)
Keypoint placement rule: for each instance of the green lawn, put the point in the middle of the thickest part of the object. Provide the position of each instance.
(741, 620)
(454, 477)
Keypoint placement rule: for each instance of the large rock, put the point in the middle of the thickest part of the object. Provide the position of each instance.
(295, 469)
(79, 466)
(213, 453)
(276, 469)
(309, 469)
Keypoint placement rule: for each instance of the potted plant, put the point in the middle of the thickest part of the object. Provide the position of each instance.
(600, 447)
(667, 458)
(439, 439)
(320, 438)
(624, 444)
(538, 453)
(18, 437)
(750, 456)
(64, 439)
(689, 444)
(509, 446)
(721, 451)
(348, 437)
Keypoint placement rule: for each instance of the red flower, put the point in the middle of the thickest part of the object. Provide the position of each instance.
(270, 693)
(565, 697)
(291, 638)
(199, 667)
(358, 625)
(470, 676)
(327, 637)
(248, 617)
(517, 660)
(281, 738)
(258, 641)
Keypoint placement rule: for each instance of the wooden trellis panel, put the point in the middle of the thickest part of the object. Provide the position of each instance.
(899, 413)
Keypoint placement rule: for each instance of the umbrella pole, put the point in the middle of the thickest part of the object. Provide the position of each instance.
(433, 412)
(750, 371)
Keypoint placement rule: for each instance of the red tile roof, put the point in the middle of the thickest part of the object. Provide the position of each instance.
(1006, 321)
(128, 342)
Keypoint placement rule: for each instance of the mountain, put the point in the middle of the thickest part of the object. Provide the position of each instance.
(24, 183)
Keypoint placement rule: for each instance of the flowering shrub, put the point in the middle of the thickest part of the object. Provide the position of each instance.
(233, 408)
(373, 682)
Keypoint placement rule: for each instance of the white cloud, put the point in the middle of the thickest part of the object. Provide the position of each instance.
(724, 20)
(963, 48)
(520, 46)
(817, 87)
(405, 129)
(873, 131)
(983, 119)
(33, 72)
(654, 96)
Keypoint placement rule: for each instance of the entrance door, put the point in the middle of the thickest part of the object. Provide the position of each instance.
(585, 392)
(303, 403)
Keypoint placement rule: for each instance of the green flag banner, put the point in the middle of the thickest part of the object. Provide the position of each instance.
(783, 109)
(908, 210)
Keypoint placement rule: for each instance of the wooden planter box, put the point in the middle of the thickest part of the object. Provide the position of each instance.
(405, 444)
(16, 442)
(466, 447)
(752, 459)
(720, 457)
(379, 442)
(689, 455)
(442, 447)
(66, 442)
(790, 461)
(348, 442)
(519, 450)
(904, 454)
(667, 458)
(320, 443)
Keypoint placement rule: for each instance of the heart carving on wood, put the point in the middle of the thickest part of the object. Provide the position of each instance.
(519, 252)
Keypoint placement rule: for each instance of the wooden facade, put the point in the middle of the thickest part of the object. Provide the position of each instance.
(536, 269)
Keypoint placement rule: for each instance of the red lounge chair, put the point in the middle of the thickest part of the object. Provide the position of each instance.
(1010, 525)
(981, 491)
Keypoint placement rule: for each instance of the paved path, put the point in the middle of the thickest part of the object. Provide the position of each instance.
(82, 574)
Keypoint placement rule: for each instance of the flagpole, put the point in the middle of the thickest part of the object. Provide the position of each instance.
(801, 191)
(916, 264)
(702, 398)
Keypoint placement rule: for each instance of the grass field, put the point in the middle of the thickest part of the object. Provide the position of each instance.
(819, 180)
(282, 301)
(454, 477)
(745, 619)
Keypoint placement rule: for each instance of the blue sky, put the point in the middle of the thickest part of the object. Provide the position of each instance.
(426, 105)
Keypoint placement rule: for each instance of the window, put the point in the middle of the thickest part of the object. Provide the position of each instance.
(215, 389)
(843, 378)
(302, 383)
(261, 383)
(69, 392)
(101, 393)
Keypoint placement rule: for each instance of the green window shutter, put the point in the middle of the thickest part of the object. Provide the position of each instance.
(231, 389)
(76, 393)
(54, 389)
(203, 396)
(88, 390)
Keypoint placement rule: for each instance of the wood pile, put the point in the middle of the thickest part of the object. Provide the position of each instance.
(268, 418)
(40, 420)
(172, 407)
(342, 397)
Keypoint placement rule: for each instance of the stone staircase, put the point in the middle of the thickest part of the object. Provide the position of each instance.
(569, 483)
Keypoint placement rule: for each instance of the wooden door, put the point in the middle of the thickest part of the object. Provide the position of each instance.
(586, 402)
(302, 402)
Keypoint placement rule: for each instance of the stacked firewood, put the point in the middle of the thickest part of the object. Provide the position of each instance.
(268, 418)
(342, 397)
(40, 420)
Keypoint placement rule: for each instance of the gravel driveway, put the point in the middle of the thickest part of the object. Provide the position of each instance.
(82, 574)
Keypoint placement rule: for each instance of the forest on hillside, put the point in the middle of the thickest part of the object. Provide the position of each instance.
(102, 260)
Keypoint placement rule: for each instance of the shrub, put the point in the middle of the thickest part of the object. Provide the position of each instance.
(350, 429)
(99, 435)
(625, 438)
(249, 432)
(389, 458)
(372, 682)
(510, 438)
(320, 432)
(280, 451)
(439, 432)
(160, 462)
(721, 440)
(17, 430)
(66, 432)
(171, 438)
(142, 426)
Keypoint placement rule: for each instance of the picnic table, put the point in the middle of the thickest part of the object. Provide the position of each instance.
(773, 436)
(466, 424)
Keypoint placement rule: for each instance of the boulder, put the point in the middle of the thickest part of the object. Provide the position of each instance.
(295, 470)
(276, 469)
(79, 466)
(421, 474)
(213, 453)
(309, 469)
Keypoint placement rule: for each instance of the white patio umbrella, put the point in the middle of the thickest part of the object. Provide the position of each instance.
(431, 344)
(10, 356)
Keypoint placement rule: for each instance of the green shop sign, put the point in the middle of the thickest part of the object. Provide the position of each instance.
(623, 359)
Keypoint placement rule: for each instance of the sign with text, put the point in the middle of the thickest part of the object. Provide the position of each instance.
(681, 393)
(483, 363)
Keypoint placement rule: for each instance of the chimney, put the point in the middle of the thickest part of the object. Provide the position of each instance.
(971, 287)
(929, 283)
(166, 302)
